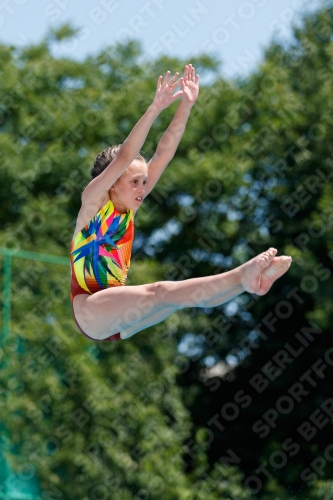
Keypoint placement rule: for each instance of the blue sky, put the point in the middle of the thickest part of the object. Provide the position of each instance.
(234, 31)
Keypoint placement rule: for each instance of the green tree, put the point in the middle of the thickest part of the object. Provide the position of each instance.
(280, 129)
(90, 419)
(151, 416)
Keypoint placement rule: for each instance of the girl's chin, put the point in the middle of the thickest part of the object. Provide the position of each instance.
(134, 206)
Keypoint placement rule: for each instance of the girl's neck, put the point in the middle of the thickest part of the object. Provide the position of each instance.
(120, 208)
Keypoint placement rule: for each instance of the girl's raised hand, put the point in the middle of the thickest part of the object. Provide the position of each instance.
(190, 86)
(164, 94)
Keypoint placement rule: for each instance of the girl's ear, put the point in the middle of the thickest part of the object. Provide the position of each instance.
(113, 186)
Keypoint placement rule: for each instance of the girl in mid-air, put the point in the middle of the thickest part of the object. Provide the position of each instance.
(100, 253)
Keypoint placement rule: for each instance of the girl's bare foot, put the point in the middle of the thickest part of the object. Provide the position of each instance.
(251, 271)
(277, 267)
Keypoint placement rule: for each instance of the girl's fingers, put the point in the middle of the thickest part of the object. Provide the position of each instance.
(177, 94)
(165, 79)
(188, 71)
(178, 82)
(173, 79)
(173, 83)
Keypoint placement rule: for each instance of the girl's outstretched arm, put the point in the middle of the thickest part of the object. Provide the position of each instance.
(168, 144)
(130, 148)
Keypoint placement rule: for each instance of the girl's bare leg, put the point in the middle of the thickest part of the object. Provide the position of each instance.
(130, 309)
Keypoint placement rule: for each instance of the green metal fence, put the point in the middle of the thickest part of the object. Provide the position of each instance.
(13, 487)
(8, 255)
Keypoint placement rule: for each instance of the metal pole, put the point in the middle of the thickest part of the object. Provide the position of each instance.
(7, 277)
(6, 321)
(22, 254)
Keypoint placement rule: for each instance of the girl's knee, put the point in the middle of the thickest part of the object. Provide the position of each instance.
(162, 292)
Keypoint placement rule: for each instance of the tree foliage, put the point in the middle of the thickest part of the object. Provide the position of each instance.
(151, 417)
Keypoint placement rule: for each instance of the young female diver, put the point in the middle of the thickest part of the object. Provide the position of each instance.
(100, 250)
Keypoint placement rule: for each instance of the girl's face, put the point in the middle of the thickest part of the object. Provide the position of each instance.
(129, 190)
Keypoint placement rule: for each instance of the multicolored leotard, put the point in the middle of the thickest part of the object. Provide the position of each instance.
(100, 254)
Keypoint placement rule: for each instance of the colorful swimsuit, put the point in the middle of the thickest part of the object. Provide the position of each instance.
(100, 254)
